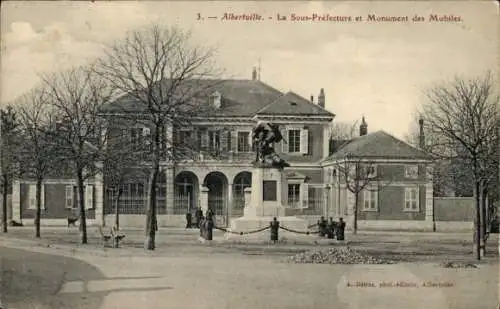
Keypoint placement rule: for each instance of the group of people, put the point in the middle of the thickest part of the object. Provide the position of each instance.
(331, 229)
(198, 218)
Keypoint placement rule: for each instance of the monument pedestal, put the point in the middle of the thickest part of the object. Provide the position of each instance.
(264, 201)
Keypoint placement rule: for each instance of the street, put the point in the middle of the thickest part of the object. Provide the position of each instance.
(33, 280)
(193, 275)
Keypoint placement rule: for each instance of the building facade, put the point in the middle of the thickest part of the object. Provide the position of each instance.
(216, 174)
(392, 179)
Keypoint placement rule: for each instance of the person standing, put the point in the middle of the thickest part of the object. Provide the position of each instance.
(189, 220)
(275, 225)
(322, 226)
(331, 228)
(197, 215)
(340, 229)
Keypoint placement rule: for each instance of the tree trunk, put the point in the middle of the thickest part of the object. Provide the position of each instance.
(149, 243)
(484, 221)
(81, 206)
(38, 207)
(355, 221)
(477, 221)
(117, 208)
(4, 203)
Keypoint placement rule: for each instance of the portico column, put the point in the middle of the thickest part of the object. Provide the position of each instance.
(169, 195)
(99, 198)
(248, 210)
(204, 199)
(16, 201)
(229, 201)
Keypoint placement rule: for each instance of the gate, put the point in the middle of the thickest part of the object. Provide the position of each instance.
(217, 203)
(316, 200)
(183, 203)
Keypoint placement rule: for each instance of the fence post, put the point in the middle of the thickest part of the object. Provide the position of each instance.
(275, 225)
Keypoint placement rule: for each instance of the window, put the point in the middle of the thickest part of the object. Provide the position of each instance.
(411, 199)
(294, 195)
(184, 141)
(184, 137)
(200, 140)
(161, 185)
(163, 137)
(269, 190)
(370, 200)
(411, 171)
(89, 196)
(136, 136)
(214, 141)
(215, 99)
(243, 144)
(370, 171)
(69, 197)
(293, 140)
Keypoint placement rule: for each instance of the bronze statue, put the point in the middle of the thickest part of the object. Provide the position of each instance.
(264, 136)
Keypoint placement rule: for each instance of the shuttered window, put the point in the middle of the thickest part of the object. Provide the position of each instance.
(243, 142)
(293, 140)
(69, 197)
(411, 199)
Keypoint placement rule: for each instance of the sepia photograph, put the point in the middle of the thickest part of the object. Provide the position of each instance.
(250, 154)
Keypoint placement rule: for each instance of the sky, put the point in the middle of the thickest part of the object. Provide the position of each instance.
(367, 68)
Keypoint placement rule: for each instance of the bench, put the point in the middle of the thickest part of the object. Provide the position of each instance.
(116, 236)
(104, 238)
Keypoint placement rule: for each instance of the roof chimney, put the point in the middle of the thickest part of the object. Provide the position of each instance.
(312, 99)
(421, 135)
(363, 127)
(254, 74)
(321, 98)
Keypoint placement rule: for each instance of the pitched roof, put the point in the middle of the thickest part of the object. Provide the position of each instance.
(293, 104)
(240, 98)
(379, 145)
(295, 175)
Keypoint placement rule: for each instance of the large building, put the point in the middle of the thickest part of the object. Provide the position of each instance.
(217, 173)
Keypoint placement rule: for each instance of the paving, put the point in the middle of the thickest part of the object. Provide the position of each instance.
(184, 273)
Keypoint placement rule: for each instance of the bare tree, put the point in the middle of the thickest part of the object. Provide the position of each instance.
(343, 130)
(449, 174)
(169, 79)
(76, 96)
(9, 142)
(39, 151)
(464, 114)
(360, 175)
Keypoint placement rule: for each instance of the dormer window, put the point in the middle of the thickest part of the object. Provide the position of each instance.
(215, 99)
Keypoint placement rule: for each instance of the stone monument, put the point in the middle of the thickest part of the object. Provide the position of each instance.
(267, 197)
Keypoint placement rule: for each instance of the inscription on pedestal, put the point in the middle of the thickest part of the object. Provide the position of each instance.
(269, 192)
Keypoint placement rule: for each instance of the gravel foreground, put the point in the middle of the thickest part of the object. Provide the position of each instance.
(338, 255)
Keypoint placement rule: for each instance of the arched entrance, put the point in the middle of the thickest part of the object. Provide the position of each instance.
(241, 181)
(217, 185)
(186, 189)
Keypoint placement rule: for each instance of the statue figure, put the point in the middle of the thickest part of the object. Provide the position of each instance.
(264, 136)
